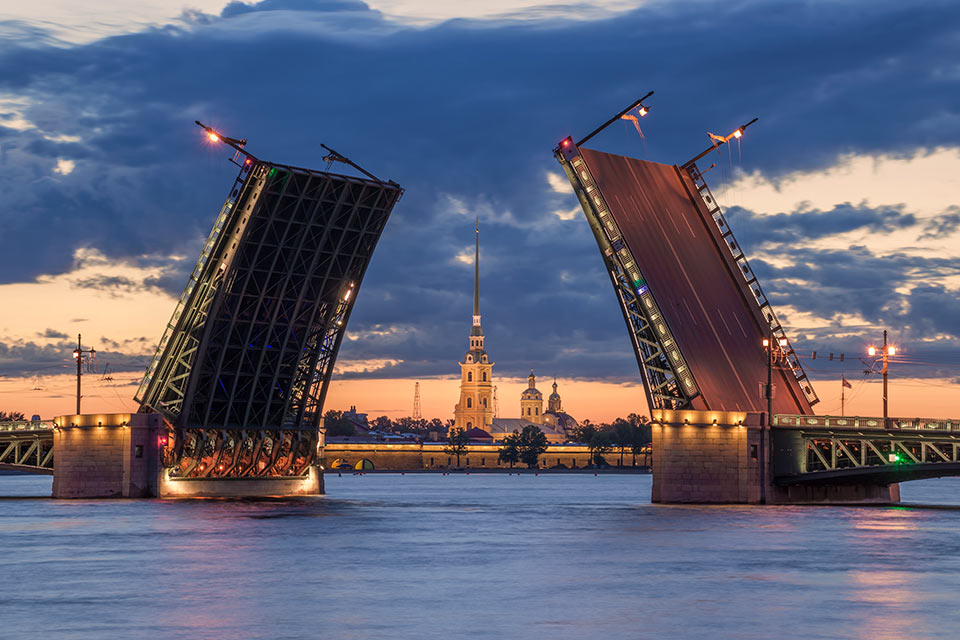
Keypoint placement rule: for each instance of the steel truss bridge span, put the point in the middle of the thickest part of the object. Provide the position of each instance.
(837, 450)
(243, 367)
(26, 446)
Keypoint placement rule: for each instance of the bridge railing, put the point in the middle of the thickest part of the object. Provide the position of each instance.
(27, 425)
(866, 422)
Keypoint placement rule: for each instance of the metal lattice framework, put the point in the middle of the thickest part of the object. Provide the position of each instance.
(244, 364)
(26, 447)
(813, 449)
(667, 379)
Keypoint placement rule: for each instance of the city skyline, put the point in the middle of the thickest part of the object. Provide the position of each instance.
(848, 218)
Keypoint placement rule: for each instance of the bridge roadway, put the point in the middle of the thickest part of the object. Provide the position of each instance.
(27, 446)
(846, 450)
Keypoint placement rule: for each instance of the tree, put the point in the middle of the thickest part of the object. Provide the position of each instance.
(13, 416)
(382, 423)
(457, 444)
(623, 434)
(510, 451)
(336, 425)
(531, 443)
(584, 432)
(643, 424)
(600, 445)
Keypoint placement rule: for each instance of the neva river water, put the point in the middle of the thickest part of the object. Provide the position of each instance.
(477, 556)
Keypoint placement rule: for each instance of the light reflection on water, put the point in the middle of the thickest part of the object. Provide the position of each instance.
(477, 556)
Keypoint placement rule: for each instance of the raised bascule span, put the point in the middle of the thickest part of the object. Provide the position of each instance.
(732, 406)
(243, 367)
(695, 311)
(232, 401)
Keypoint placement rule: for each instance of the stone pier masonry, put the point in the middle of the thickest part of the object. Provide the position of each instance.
(113, 455)
(119, 455)
(725, 457)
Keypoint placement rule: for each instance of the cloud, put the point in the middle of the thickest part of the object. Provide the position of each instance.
(807, 225)
(64, 167)
(464, 115)
(942, 226)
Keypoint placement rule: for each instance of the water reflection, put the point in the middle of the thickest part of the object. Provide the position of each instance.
(479, 556)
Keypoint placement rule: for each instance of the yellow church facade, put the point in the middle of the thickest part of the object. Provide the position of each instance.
(475, 408)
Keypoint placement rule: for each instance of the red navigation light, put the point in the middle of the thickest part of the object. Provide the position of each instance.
(162, 441)
(248, 161)
(213, 137)
(566, 142)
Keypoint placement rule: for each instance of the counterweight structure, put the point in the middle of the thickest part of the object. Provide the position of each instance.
(244, 364)
(694, 310)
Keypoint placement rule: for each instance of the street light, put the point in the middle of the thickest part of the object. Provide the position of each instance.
(885, 351)
(78, 356)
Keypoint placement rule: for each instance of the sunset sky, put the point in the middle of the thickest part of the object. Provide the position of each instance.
(844, 194)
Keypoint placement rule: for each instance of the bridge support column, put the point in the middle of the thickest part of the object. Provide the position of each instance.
(706, 457)
(113, 455)
(718, 457)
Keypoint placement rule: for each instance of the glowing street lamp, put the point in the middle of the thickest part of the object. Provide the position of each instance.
(885, 352)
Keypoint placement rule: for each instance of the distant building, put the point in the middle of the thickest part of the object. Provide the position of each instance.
(475, 408)
(358, 420)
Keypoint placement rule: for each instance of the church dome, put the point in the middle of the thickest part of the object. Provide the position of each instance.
(531, 392)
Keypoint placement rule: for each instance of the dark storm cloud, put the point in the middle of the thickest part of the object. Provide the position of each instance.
(942, 225)
(107, 283)
(470, 110)
(756, 229)
(238, 8)
(27, 358)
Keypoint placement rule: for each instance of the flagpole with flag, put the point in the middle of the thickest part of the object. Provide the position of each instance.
(844, 385)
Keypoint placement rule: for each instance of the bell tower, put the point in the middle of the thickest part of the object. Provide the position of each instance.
(475, 408)
(531, 401)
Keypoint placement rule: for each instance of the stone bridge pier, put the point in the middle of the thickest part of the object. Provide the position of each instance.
(120, 455)
(712, 457)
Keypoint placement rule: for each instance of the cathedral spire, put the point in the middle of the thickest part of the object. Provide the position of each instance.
(476, 279)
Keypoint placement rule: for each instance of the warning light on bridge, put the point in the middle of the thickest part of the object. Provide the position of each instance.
(162, 441)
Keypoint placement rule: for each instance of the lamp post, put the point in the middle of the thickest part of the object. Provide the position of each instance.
(886, 351)
(78, 356)
(768, 345)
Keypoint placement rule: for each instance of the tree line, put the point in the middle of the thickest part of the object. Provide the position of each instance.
(630, 435)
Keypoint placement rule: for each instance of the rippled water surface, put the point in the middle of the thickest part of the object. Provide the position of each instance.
(478, 556)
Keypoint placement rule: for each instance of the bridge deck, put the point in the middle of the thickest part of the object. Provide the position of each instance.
(835, 450)
(692, 275)
(26, 446)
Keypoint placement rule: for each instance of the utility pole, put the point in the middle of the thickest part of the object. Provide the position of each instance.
(78, 356)
(887, 351)
(884, 378)
(768, 423)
